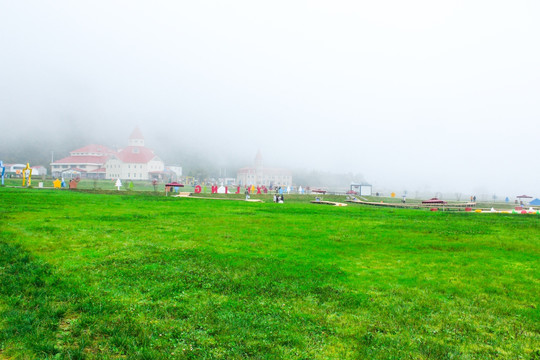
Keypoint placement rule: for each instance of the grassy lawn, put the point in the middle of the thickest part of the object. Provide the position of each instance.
(137, 276)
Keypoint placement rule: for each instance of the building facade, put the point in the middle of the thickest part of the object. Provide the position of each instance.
(86, 162)
(134, 162)
(258, 175)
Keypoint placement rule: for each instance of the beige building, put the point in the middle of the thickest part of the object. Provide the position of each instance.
(259, 175)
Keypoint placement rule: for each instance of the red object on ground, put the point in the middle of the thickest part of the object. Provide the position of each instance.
(468, 209)
(433, 209)
(434, 201)
(73, 184)
(174, 184)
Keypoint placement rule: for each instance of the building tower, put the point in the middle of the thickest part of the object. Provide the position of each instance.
(259, 172)
(136, 138)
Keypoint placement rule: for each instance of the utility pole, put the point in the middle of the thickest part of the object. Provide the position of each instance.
(52, 161)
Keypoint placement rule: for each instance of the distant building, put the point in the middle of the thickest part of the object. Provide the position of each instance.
(134, 162)
(226, 181)
(87, 162)
(14, 169)
(361, 189)
(17, 170)
(259, 175)
(39, 170)
(176, 171)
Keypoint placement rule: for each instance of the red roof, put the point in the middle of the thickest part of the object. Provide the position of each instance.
(135, 154)
(97, 160)
(277, 171)
(265, 171)
(247, 170)
(100, 170)
(136, 134)
(434, 201)
(93, 148)
(174, 184)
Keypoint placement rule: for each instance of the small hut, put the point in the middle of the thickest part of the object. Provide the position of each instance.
(173, 186)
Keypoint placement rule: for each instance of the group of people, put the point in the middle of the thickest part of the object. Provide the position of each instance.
(278, 198)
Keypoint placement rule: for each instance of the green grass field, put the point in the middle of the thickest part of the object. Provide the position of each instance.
(107, 186)
(132, 275)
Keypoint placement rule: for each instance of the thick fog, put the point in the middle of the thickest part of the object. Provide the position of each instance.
(413, 95)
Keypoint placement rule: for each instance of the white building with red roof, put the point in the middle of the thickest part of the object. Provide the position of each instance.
(134, 162)
(259, 175)
(88, 161)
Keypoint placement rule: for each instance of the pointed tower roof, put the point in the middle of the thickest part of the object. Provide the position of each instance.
(258, 159)
(136, 138)
(136, 134)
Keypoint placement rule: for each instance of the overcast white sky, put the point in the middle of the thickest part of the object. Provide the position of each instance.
(419, 94)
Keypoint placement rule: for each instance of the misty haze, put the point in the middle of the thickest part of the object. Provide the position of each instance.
(417, 97)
